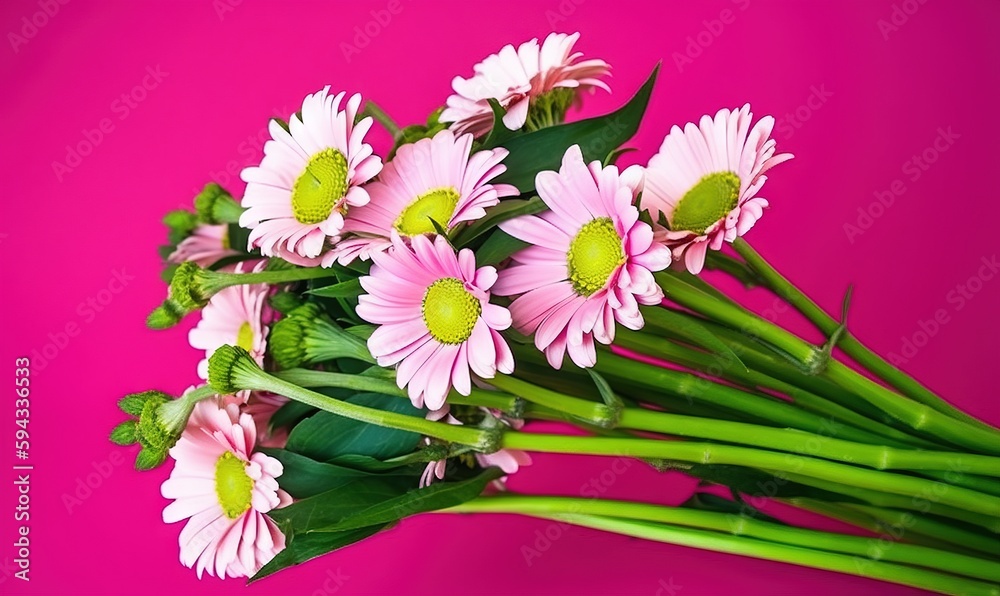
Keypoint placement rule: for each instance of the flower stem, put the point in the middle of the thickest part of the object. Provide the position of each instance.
(494, 400)
(218, 280)
(902, 525)
(815, 445)
(774, 462)
(372, 109)
(738, 525)
(651, 346)
(915, 415)
(591, 412)
(246, 375)
(848, 343)
(657, 379)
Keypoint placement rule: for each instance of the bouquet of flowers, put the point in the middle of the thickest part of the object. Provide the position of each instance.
(381, 332)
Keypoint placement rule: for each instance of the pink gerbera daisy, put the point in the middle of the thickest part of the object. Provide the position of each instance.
(591, 262)
(705, 180)
(206, 245)
(310, 175)
(234, 316)
(223, 489)
(432, 181)
(436, 320)
(534, 84)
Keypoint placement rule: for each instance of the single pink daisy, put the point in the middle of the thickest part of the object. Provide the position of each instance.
(435, 318)
(262, 406)
(237, 316)
(311, 173)
(207, 245)
(508, 460)
(432, 179)
(224, 490)
(591, 262)
(705, 179)
(546, 78)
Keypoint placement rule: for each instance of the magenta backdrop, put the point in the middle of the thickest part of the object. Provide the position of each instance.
(875, 98)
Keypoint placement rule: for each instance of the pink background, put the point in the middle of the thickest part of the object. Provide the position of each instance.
(854, 104)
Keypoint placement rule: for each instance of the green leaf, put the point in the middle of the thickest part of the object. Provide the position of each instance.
(758, 483)
(612, 157)
(499, 133)
(608, 394)
(303, 477)
(498, 247)
(124, 433)
(543, 149)
(505, 210)
(325, 436)
(330, 507)
(290, 413)
(147, 459)
(239, 237)
(345, 289)
(432, 498)
(303, 547)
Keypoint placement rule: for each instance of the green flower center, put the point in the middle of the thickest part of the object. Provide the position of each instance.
(318, 190)
(244, 337)
(450, 311)
(707, 202)
(232, 485)
(594, 254)
(437, 205)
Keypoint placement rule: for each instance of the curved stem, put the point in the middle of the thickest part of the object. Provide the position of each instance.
(316, 378)
(259, 380)
(738, 525)
(915, 415)
(708, 364)
(695, 388)
(774, 462)
(372, 109)
(751, 547)
(848, 343)
(594, 413)
(800, 442)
